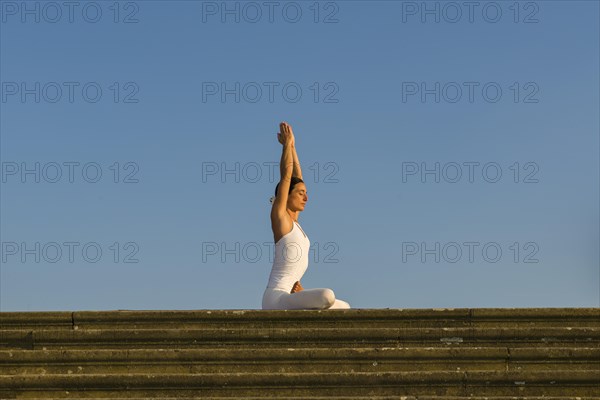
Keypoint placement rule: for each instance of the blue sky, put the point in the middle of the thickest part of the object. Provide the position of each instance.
(151, 128)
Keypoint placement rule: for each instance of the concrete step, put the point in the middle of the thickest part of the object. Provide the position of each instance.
(557, 382)
(276, 337)
(353, 318)
(224, 360)
(400, 397)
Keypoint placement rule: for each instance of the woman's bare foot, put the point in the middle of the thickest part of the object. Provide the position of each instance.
(297, 287)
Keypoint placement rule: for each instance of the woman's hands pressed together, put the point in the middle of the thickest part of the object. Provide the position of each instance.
(286, 135)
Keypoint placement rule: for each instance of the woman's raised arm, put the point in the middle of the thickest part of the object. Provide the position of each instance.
(286, 168)
(297, 172)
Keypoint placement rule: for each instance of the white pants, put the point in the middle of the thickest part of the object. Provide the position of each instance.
(321, 298)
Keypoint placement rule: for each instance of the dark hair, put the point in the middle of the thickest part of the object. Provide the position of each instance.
(294, 182)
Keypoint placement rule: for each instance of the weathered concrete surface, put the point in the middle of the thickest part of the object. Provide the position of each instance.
(550, 353)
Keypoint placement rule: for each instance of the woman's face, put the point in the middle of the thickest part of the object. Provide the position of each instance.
(298, 197)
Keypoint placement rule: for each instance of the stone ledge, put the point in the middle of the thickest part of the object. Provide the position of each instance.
(67, 318)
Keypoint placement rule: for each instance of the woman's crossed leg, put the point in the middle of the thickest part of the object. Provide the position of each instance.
(320, 298)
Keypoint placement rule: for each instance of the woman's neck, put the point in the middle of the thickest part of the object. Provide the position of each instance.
(294, 216)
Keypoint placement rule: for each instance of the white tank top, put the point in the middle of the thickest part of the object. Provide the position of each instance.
(291, 259)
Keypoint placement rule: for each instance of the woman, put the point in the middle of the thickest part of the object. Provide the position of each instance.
(284, 291)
